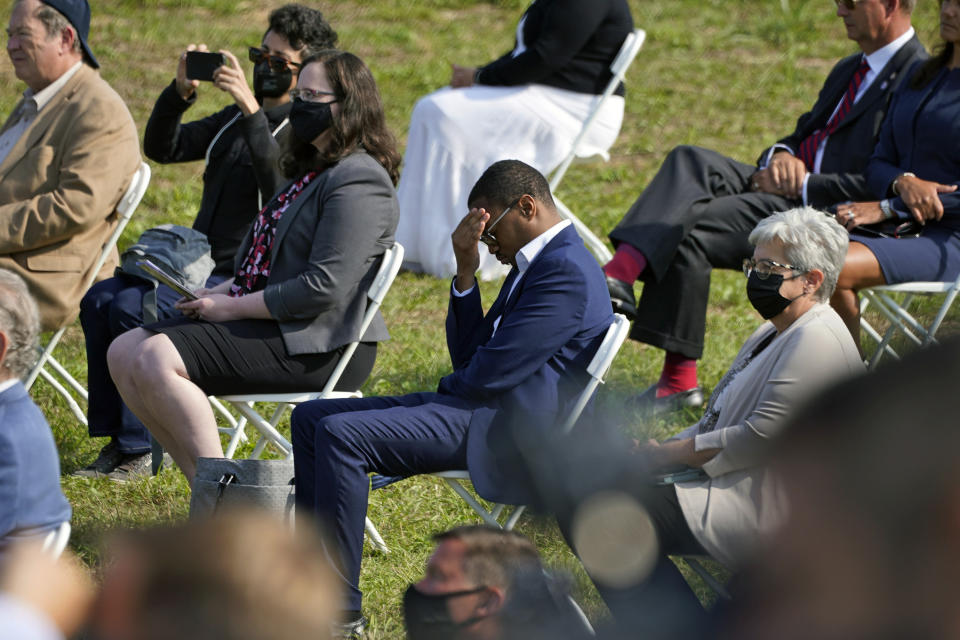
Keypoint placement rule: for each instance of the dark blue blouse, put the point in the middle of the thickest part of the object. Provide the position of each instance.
(921, 134)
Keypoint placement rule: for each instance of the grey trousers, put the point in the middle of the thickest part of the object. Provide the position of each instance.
(695, 215)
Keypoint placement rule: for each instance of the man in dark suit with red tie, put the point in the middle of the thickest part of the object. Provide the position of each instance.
(696, 213)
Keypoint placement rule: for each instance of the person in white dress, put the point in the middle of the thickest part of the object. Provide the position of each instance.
(527, 105)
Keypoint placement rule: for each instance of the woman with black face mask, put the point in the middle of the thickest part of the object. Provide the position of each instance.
(239, 145)
(712, 492)
(298, 291)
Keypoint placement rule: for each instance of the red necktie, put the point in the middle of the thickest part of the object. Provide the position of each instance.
(808, 148)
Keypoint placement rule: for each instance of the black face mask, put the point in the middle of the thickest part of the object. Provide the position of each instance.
(765, 295)
(428, 618)
(268, 83)
(309, 119)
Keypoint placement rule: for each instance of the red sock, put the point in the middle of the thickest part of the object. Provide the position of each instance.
(679, 374)
(626, 265)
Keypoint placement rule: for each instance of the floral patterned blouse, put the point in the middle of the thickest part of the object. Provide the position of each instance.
(255, 268)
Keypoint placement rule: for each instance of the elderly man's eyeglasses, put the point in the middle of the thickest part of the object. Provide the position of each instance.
(277, 63)
(486, 237)
(764, 268)
(311, 95)
(849, 5)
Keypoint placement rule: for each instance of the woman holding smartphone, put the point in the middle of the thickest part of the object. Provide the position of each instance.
(239, 146)
(298, 292)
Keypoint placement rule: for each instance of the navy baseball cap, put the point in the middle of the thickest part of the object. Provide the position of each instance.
(77, 12)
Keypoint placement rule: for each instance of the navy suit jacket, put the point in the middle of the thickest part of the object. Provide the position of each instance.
(31, 501)
(923, 139)
(848, 148)
(525, 377)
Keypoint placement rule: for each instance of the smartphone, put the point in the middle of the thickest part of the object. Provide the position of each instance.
(202, 64)
(679, 474)
(161, 275)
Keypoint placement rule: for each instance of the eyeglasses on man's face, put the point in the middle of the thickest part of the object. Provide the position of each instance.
(311, 95)
(488, 238)
(765, 267)
(277, 63)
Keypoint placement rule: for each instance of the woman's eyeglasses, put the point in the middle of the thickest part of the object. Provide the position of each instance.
(277, 63)
(310, 95)
(764, 268)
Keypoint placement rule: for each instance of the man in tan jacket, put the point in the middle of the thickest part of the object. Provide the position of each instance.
(67, 153)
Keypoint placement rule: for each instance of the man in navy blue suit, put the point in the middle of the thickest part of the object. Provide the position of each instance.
(517, 370)
(31, 502)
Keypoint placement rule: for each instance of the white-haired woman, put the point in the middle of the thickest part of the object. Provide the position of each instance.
(720, 498)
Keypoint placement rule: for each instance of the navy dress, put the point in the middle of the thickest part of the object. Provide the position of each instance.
(922, 135)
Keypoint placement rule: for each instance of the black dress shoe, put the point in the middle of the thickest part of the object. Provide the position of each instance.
(648, 402)
(622, 298)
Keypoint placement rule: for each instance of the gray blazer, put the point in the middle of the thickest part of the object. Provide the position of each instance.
(327, 250)
(738, 501)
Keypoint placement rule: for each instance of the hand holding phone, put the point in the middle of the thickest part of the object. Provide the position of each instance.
(202, 64)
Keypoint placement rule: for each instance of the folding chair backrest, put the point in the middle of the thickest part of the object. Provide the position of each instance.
(897, 313)
(599, 365)
(125, 208)
(244, 403)
(628, 51)
(56, 541)
(389, 267)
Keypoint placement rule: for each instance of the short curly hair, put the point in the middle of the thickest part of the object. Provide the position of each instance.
(304, 28)
(505, 181)
(811, 239)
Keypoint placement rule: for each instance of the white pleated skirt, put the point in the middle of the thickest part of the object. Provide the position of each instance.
(455, 134)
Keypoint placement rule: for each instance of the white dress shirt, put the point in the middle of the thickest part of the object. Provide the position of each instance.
(876, 61)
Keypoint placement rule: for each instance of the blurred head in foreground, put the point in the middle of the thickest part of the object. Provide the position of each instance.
(869, 549)
(485, 583)
(239, 576)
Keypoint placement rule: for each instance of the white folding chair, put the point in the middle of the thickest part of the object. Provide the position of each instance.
(47, 366)
(245, 403)
(628, 51)
(56, 541)
(708, 578)
(496, 515)
(884, 299)
(457, 480)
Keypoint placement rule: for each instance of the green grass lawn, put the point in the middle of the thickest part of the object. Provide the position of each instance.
(729, 75)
